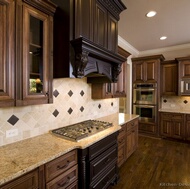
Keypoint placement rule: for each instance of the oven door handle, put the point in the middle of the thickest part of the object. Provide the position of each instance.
(145, 106)
(143, 89)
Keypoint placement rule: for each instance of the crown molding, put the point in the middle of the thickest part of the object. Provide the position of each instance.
(166, 49)
(125, 45)
(135, 53)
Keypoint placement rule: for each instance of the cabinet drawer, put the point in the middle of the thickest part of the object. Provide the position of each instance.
(121, 140)
(122, 130)
(73, 186)
(188, 117)
(60, 165)
(172, 116)
(132, 124)
(64, 180)
(102, 145)
(177, 116)
(104, 181)
(100, 163)
(29, 180)
(166, 116)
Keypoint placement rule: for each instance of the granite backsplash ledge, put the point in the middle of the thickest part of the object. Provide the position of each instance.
(72, 103)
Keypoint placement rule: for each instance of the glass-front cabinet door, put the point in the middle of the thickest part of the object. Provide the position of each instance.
(37, 56)
(35, 50)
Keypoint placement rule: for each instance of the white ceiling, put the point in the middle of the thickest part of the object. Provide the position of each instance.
(172, 20)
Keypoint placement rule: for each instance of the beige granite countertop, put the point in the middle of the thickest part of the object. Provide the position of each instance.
(23, 156)
(176, 110)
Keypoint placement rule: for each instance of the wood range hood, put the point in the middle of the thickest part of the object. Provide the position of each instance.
(97, 63)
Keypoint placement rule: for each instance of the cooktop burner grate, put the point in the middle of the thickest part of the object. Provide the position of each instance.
(81, 130)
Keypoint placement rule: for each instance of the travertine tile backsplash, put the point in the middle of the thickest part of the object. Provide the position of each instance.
(72, 103)
(176, 103)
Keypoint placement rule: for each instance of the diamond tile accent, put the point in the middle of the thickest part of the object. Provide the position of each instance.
(99, 106)
(13, 119)
(55, 113)
(82, 93)
(165, 100)
(185, 101)
(70, 93)
(70, 111)
(55, 93)
(81, 108)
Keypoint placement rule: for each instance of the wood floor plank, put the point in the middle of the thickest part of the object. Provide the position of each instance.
(156, 164)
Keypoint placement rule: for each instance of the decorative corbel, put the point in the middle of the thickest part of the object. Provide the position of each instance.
(80, 62)
(116, 70)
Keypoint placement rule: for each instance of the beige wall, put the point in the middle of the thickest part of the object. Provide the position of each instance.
(38, 119)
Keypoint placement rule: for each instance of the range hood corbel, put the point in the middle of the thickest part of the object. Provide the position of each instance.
(96, 63)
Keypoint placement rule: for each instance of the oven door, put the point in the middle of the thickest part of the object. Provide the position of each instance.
(147, 113)
(144, 96)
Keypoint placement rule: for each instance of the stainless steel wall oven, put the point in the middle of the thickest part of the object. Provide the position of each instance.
(147, 113)
(144, 93)
(145, 101)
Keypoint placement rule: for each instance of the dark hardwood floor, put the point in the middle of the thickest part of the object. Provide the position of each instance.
(157, 163)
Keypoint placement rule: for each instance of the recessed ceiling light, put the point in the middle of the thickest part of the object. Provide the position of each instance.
(163, 38)
(151, 14)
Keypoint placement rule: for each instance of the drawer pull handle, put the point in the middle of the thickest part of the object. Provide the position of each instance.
(107, 160)
(64, 166)
(64, 183)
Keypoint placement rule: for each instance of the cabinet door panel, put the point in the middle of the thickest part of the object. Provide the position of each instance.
(100, 26)
(188, 130)
(151, 71)
(7, 52)
(178, 130)
(169, 79)
(138, 72)
(37, 72)
(185, 69)
(84, 18)
(112, 33)
(165, 128)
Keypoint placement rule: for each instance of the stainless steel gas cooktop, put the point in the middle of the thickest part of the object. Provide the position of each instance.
(81, 130)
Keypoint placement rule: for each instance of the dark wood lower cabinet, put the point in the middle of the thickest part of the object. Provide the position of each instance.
(148, 128)
(127, 140)
(29, 180)
(187, 137)
(62, 172)
(172, 125)
(98, 164)
(94, 167)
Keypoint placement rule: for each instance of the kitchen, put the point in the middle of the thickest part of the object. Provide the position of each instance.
(28, 121)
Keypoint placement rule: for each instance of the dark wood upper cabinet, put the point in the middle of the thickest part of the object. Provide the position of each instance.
(169, 78)
(84, 19)
(86, 29)
(7, 59)
(146, 69)
(184, 75)
(100, 25)
(26, 52)
(34, 52)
